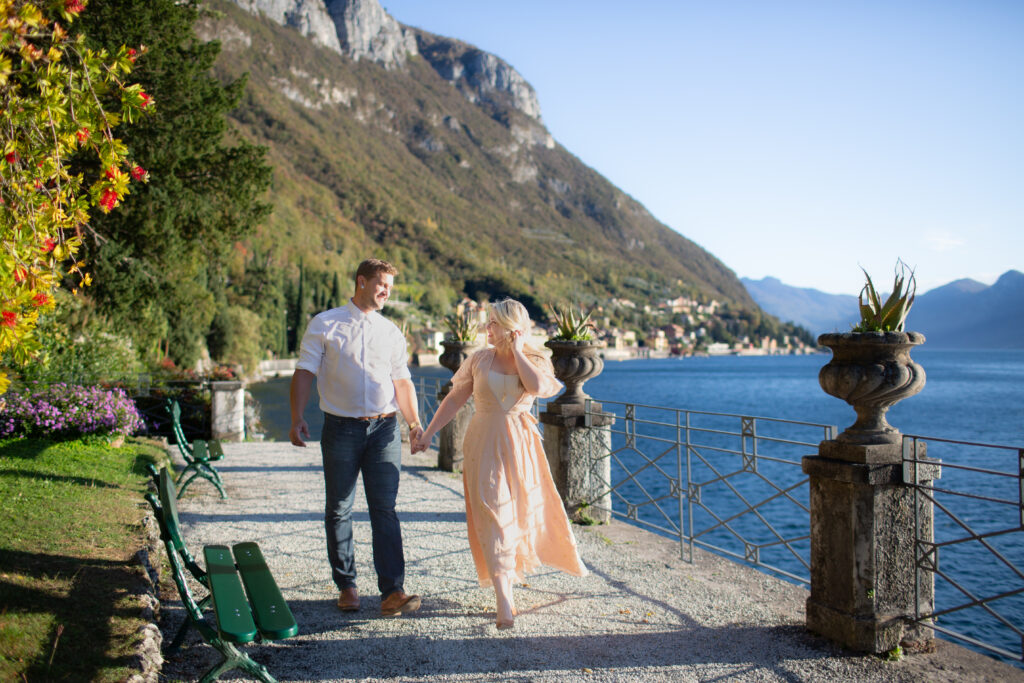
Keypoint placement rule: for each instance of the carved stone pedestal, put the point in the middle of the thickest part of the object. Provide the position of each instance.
(577, 448)
(862, 547)
(227, 411)
(449, 447)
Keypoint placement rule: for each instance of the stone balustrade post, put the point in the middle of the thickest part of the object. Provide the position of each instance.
(577, 443)
(227, 412)
(863, 568)
(449, 447)
(866, 589)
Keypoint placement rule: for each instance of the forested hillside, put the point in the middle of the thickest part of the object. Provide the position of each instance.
(463, 196)
(287, 140)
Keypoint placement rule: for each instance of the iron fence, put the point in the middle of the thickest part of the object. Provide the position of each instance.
(427, 389)
(731, 484)
(978, 507)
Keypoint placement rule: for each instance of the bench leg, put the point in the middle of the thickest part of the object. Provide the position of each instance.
(211, 470)
(235, 659)
(190, 465)
(179, 637)
(207, 477)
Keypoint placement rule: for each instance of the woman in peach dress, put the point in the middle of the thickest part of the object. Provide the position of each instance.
(515, 518)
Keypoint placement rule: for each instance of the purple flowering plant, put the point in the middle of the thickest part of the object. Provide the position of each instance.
(68, 411)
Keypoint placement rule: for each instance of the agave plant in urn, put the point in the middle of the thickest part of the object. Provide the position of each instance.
(574, 354)
(871, 368)
(459, 342)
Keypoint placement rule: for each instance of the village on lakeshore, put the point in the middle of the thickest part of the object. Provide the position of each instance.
(674, 328)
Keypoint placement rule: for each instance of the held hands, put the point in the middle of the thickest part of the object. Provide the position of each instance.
(417, 440)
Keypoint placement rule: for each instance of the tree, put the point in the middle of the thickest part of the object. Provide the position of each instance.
(170, 244)
(57, 97)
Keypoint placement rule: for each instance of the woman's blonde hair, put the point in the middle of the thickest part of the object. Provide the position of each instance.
(510, 316)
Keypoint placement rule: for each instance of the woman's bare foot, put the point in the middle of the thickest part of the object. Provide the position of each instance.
(506, 605)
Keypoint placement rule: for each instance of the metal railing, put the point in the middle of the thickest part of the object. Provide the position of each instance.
(978, 508)
(731, 484)
(427, 389)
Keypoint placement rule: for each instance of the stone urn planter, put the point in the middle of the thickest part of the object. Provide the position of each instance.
(454, 355)
(575, 362)
(449, 449)
(871, 371)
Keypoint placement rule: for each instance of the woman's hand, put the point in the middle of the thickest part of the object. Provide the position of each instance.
(419, 443)
(517, 339)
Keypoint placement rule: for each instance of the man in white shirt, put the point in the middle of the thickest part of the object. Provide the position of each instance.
(360, 363)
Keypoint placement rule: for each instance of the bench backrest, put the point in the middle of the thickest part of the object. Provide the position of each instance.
(165, 508)
(174, 408)
(178, 557)
(168, 496)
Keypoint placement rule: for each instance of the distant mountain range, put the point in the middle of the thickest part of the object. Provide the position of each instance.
(964, 314)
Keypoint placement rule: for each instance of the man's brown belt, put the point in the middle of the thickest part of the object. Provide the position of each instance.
(374, 417)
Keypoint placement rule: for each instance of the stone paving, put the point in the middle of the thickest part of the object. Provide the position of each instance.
(643, 614)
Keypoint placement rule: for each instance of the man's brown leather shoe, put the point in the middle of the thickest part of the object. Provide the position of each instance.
(399, 603)
(348, 600)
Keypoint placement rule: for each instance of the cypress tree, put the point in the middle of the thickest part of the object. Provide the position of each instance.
(336, 291)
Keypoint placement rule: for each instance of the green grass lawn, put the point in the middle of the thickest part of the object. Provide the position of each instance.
(70, 516)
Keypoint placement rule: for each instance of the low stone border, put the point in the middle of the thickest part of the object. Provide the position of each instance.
(148, 660)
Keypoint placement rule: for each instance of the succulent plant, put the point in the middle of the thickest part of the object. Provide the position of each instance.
(462, 327)
(573, 324)
(890, 316)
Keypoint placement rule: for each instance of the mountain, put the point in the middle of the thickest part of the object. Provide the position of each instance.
(391, 141)
(817, 311)
(968, 314)
(964, 314)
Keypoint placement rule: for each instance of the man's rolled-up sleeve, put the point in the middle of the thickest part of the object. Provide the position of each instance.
(311, 350)
(400, 359)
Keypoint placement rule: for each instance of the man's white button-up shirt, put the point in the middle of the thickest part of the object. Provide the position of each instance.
(355, 357)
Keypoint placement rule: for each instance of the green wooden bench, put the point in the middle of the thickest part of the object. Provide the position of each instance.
(246, 602)
(199, 454)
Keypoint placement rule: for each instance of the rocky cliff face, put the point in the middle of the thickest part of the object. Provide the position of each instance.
(366, 31)
(480, 76)
(309, 17)
(361, 29)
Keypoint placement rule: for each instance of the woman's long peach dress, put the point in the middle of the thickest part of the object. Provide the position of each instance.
(514, 515)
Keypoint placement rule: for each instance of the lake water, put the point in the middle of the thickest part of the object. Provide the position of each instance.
(969, 396)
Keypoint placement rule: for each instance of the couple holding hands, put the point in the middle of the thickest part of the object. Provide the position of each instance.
(514, 516)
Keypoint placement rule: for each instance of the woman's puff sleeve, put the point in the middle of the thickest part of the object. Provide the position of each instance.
(463, 377)
(549, 386)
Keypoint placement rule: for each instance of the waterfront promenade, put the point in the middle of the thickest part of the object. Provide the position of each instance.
(643, 614)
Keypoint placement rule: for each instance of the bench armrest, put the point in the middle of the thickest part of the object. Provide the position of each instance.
(273, 616)
(230, 607)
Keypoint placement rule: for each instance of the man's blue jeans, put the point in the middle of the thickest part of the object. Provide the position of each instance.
(373, 447)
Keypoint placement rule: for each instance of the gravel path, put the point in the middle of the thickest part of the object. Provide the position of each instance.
(642, 614)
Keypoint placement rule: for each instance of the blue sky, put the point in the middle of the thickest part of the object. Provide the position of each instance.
(800, 140)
